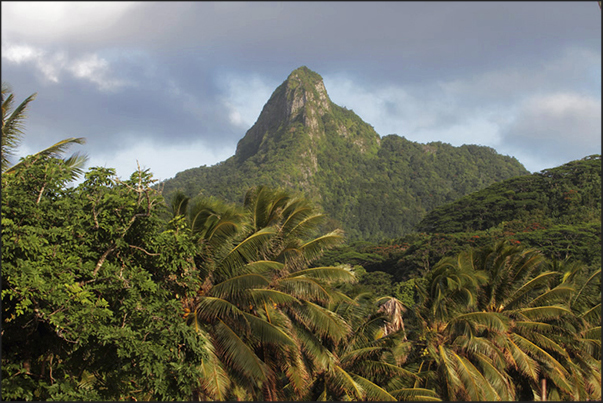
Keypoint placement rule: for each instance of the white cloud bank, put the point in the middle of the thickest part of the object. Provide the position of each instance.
(163, 161)
(55, 21)
(52, 65)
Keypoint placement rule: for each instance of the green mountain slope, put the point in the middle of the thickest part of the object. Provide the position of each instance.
(374, 188)
(568, 194)
(556, 211)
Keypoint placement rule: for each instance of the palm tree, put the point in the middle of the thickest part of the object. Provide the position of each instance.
(13, 119)
(449, 351)
(582, 338)
(537, 308)
(264, 309)
(368, 365)
(502, 318)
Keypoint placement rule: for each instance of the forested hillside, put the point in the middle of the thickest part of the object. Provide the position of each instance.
(110, 293)
(374, 188)
(556, 211)
(569, 194)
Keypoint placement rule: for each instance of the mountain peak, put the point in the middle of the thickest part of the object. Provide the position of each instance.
(305, 73)
(304, 86)
(300, 119)
(301, 98)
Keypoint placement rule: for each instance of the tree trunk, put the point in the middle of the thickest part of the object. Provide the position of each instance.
(543, 387)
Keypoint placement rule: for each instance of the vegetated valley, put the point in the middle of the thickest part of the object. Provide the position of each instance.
(320, 262)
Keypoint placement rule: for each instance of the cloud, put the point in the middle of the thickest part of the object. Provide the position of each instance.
(162, 160)
(423, 114)
(554, 129)
(174, 73)
(51, 22)
(508, 84)
(20, 53)
(52, 65)
(95, 69)
(244, 96)
(49, 66)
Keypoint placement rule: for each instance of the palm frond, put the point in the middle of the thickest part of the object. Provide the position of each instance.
(314, 248)
(264, 267)
(522, 292)
(394, 309)
(60, 147)
(595, 275)
(215, 381)
(354, 355)
(297, 375)
(475, 385)
(215, 220)
(300, 225)
(12, 123)
(179, 203)
(345, 383)
(75, 163)
(543, 312)
(312, 347)
(211, 309)
(304, 289)
(372, 391)
(593, 333)
(55, 151)
(489, 320)
(265, 205)
(497, 377)
(372, 368)
(321, 320)
(559, 294)
(261, 296)
(526, 261)
(524, 363)
(453, 383)
(536, 350)
(340, 297)
(415, 395)
(545, 342)
(267, 332)
(243, 253)
(237, 353)
(534, 326)
(327, 274)
(234, 286)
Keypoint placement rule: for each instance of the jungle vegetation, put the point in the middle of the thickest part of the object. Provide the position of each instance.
(373, 187)
(110, 291)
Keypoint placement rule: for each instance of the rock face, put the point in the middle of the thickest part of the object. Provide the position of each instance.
(299, 108)
(372, 187)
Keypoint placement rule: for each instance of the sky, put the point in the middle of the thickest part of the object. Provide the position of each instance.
(175, 85)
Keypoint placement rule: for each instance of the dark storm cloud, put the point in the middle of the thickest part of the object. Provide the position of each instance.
(396, 38)
(176, 73)
(392, 37)
(175, 105)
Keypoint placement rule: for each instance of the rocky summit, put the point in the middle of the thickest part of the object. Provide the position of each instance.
(373, 187)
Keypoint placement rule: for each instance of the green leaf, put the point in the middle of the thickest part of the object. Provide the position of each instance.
(238, 354)
(328, 274)
(233, 287)
(268, 333)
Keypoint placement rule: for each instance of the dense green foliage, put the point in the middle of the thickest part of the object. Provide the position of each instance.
(110, 293)
(568, 194)
(373, 188)
(500, 323)
(90, 288)
(414, 254)
(563, 222)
